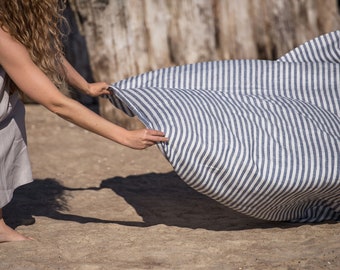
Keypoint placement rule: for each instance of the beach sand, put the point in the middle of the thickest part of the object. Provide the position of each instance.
(97, 205)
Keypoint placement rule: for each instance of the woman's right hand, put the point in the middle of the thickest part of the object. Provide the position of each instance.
(143, 138)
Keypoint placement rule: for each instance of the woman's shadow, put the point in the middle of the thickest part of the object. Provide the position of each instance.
(158, 198)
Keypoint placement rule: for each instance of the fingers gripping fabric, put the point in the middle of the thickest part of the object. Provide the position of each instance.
(261, 137)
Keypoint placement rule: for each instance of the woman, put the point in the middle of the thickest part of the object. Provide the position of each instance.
(31, 61)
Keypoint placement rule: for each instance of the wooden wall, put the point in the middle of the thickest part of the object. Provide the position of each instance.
(128, 37)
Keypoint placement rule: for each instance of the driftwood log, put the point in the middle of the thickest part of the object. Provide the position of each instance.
(128, 37)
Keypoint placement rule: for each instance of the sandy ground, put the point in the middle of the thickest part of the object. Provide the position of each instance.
(97, 205)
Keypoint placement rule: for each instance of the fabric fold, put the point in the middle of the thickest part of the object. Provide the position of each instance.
(261, 137)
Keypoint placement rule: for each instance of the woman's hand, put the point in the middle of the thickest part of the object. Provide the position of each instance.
(143, 138)
(97, 89)
(78, 82)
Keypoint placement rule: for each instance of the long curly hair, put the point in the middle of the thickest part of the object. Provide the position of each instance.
(37, 25)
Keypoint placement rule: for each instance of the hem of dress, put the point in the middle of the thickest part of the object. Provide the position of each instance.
(8, 194)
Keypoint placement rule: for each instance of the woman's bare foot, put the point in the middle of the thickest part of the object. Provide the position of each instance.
(7, 234)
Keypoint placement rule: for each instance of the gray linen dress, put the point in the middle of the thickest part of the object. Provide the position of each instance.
(15, 168)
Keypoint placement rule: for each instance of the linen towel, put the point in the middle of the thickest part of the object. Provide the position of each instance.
(261, 137)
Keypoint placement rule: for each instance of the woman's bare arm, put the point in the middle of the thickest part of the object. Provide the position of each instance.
(15, 59)
(77, 81)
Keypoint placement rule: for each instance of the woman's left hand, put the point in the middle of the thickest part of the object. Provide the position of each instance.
(142, 138)
(97, 89)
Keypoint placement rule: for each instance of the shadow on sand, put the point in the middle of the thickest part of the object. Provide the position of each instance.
(157, 198)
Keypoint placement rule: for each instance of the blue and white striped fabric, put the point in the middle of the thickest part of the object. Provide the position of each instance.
(261, 137)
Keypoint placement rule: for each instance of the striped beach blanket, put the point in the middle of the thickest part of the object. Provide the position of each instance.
(261, 137)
